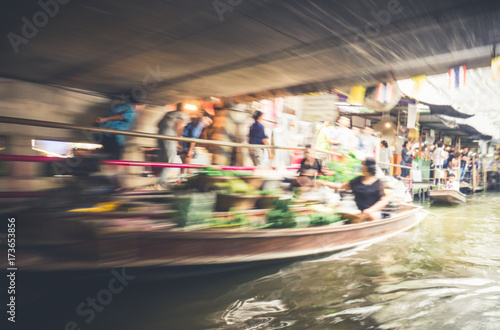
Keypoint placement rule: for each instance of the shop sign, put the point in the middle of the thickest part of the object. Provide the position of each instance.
(320, 108)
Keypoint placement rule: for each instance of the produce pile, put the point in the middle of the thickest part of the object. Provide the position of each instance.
(210, 171)
(346, 169)
(230, 192)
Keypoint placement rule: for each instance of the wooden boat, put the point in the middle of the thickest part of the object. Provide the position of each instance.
(159, 247)
(447, 196)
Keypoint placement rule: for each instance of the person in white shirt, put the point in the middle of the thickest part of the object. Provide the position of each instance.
(342, 138)
(385, 157)
(368, 143)
(452, 184)
(438, 157)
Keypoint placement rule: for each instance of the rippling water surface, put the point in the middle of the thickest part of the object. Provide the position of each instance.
(442, 274)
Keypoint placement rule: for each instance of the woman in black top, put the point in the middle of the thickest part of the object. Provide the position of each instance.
(310, 165)
(406, 159)
(368, 190)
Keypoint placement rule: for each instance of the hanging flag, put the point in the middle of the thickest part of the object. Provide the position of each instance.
(412, 116)
(356, 95)
(418, 81)
(457, 77)
(495, 68)
(385, 92)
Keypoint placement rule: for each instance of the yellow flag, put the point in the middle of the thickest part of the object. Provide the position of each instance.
(356, 94)
(418, 82)
(495, 68)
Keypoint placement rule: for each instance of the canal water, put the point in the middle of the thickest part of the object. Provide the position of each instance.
(442, 274)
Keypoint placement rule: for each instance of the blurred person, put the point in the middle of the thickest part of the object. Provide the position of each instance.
(193, 130)
(343, 138)
(452, 165)
(172, 124)
(385, 157)
(451, 155)
(452, 184)
(310, 168)
(323, 141)
(356, 142)
(120, 117)
(368, 143)
(225, 129)
(406, 159)
(464, 164)
(257, 135)
(368, 190)
(439, 156)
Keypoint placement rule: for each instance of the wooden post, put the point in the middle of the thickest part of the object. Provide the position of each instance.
(485, 173)
(473, 177)
(459, 161)
(420, 144)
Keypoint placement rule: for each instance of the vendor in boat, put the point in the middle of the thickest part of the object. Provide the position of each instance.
(310, 168)
(368, 190)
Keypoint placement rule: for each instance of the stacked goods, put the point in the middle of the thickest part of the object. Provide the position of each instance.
(281, 216)
(346, 169)
(322, 219)
(237, 194)
(193, 208)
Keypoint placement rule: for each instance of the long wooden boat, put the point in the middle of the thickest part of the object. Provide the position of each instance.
(447, 196)
(166, 248)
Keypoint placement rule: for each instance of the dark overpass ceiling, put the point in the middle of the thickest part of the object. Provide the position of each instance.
(187, 51)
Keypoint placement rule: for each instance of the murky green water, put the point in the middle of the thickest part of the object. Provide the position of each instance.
(443, 274)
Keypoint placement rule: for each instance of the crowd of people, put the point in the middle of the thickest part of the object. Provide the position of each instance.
(448, 164)
(339, 138)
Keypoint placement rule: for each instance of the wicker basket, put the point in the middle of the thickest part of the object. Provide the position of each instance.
(253, 181)
(266, 201)
(226, 202)
(206, 183)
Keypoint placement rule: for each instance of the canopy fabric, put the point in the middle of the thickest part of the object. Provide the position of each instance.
(475, 104)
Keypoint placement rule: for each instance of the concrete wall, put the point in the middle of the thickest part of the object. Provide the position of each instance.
(32, 101)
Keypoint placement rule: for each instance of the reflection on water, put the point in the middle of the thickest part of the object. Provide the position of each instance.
(442, 274)
(258, 312)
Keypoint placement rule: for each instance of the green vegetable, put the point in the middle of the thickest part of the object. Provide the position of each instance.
(270, 192)
(210, 171)
(321, 219)
(346, 169)
(281, 217)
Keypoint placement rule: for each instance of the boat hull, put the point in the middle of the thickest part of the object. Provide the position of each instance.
(167, 248)
(447, 196)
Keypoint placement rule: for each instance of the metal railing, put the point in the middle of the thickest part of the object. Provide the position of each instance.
(50, 124)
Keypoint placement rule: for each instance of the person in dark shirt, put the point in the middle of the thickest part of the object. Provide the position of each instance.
(310, 166)
(406, 159)
(119, 117)
(368, 190)
(257, 135)
(464, 164)
(193, 130)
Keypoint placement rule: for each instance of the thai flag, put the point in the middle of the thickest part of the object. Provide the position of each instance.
(385, 92)
(457, 77)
